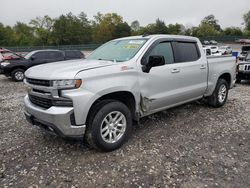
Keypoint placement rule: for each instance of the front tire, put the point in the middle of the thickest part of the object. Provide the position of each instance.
(220, 94)
(17, 75)
(109, 125)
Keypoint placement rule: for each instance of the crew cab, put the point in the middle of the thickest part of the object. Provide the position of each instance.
(16, 67)
(243, 69)
(124, 80)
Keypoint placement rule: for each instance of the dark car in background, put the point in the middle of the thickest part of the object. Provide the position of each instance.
(243, 69)
(244, 51)
(16, 68)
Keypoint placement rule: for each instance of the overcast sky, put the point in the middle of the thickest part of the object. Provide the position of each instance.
(186, 12)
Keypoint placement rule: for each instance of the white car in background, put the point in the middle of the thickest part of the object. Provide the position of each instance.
(225, 50)
(212, 51)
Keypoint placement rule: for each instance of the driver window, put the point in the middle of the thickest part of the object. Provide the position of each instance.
(164, 49)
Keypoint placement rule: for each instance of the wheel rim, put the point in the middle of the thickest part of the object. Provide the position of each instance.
(113, 127)
(19, 75)
(222, 93)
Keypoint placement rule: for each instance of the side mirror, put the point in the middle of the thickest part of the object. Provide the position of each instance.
(153, 61)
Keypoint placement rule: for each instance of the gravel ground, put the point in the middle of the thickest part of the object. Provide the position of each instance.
(189, 146)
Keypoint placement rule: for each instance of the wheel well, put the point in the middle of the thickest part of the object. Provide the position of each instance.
(227, 77)
(19, 67)
(123, 96)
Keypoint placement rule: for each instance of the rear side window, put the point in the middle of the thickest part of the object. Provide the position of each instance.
(163, 49)
(187, 51)
(73, 54)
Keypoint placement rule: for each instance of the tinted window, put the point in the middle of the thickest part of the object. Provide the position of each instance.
(55, 55)
(246, 48)
(73, 54)
(164, 49)
(187, 51)
(41, 55)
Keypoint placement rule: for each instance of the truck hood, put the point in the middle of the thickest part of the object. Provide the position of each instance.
(64, 69)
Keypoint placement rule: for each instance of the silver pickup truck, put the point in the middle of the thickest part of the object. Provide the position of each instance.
(125, 79)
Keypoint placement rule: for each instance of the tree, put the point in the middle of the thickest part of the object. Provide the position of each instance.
(204, 30)
(108, 26)
(70, 29)
(158, 27)
(212, 21)
(122, 30)
(7, 36)
(233, 31)
(135, 26)
(246, 18)
(175, 29)
(24, 34)
(43, 29)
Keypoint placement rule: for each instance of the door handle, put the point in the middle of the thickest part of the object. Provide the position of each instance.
(175, 71)
(203, 67)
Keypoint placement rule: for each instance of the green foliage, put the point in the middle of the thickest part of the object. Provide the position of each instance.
(246, 18)
(212, 21)
(204, 30)
(233, 31)
(43, 29)
(70, 29)
(73, 29)
(109, 26)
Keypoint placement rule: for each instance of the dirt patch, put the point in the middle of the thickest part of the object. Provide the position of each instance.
(189, 146)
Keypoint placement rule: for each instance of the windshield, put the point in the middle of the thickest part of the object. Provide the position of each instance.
(248, 57)
(118, 51)
(28, 55)
(246, 48)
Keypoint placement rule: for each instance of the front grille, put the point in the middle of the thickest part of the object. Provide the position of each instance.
(38, 82)
(247, 68)
(39, 101)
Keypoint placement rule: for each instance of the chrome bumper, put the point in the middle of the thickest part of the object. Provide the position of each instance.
(54, 119)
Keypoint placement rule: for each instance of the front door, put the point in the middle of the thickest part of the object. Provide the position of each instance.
(181, 79)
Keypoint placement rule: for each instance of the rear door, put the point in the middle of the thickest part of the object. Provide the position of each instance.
(181, 79)
(54, 56)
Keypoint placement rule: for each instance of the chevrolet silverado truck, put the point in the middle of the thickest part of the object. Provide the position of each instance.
(123, 80)
(15, 68)
(243, 69)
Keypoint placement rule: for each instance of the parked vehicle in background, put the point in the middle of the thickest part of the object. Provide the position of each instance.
(206, 42)
(213, 50)
(225, 50)
(213, 42)
(243, 41)
(16, 68)
(124, 80)
(9, 55)
(243, 69)
(1, 57)
(244, 51)
(73, 54)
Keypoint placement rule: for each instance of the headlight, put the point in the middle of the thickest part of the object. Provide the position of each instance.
(5, 63)
(67, 84)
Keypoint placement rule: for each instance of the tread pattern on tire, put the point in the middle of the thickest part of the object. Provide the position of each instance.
(89, 131)
(213, 99)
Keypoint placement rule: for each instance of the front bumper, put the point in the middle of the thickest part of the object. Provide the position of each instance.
(55, 119)
(245, 75)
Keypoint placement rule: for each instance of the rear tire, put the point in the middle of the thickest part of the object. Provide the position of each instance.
(17, 75)
(109, 125)
(220, 94)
